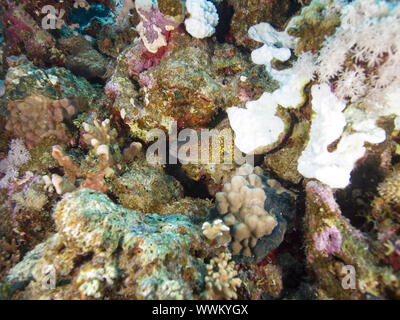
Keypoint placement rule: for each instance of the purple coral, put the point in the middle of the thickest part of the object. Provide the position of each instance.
(329, 240)
(153, 19)
(322, 195)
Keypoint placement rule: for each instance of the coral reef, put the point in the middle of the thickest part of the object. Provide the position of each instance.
(334, 167)
(82, 59)
(23, 79)
(154, 25)
(315, 22)
(187, 84)
(203, 18)
(17, 156)
(146, 188)
(9, 255)
(199, 149)
(252, 135)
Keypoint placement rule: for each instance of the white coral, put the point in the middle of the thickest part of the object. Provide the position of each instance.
(214, 230)
(329, 121)
(203, 18)
(257, 125)
(361, 63)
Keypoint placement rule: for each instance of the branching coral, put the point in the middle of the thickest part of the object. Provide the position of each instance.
(242, 205)
(102, 139)
(221, 280)
(70, 167)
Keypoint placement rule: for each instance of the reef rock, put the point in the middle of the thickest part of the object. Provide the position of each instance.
(104, 250)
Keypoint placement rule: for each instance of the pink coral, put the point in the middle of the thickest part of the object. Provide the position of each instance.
(153, 19)
(37, 117)
(139, 59)
(154, 28)
(322, 195)
(329, 240)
